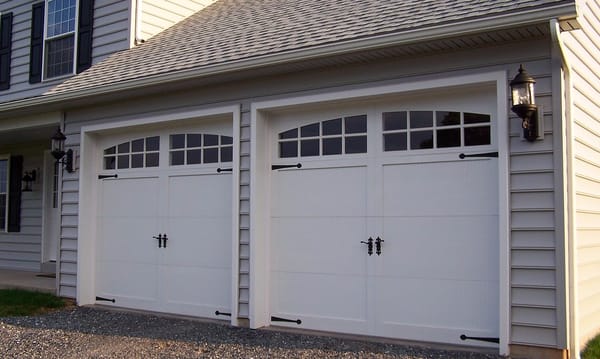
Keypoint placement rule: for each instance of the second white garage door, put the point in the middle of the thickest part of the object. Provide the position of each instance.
(385, 230)
(164, 221)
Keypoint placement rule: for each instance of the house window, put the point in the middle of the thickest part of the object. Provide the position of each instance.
(347, 135)
(59, 46)
(3, 194)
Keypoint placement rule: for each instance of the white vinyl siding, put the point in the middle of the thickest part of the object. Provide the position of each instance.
(157, 15)
(111, 34)
(583, 47)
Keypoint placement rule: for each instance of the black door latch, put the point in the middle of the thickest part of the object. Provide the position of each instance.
(369, 244)
(162, 240)
(378, 242)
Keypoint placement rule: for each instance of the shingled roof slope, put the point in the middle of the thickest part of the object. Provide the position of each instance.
(233, 30)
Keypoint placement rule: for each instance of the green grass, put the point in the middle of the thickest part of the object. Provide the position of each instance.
(17, 302)
(592, 349)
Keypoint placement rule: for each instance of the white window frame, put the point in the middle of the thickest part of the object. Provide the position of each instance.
(4, 226)
(46, 39)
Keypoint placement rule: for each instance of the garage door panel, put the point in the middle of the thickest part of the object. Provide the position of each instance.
(440, 188)
(206, 195)
(439, 310)
(196, 291)
(128, 240)
(455, 247)
(322, 298)
(311, 245)
(115, 282)
(202, 242)
(130, 197)
(319, 192)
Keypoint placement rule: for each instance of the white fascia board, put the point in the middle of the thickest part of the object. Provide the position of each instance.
(522, 18)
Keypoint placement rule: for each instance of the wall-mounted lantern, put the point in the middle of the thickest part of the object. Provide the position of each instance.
(28, 180)
(58, 150)
(523, 103)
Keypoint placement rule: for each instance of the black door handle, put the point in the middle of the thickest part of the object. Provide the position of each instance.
(369, 244)
(378, 242)
(165, 240)
(160, 237)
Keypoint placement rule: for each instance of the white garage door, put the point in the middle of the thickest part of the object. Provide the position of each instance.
(385, 230)
(164, 221)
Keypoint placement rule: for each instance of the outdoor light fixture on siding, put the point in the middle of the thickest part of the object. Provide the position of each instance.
(58, 150)
(523, 103)
(29, 178)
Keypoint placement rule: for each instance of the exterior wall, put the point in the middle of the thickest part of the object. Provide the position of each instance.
(534, 291)
(157, 15)
(23, 250)
(583, 49)
(111, 33)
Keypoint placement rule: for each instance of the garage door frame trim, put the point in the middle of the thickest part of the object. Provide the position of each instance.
(260, 165)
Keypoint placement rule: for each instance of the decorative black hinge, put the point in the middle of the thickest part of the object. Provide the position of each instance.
(279, 167)
(219, 170)
(277, 319)
(481, 339)
(222, 313)
(107, 176)
(104, 299)
(487, 154)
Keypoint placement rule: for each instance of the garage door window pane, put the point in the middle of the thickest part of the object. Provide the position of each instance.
(332, 146)
(211, 140)
(153, 143)
(109, 163)
(394, 121)
(394, 142)
(448, 138)
(288, 149)
(177, 158)
(355, 124)
(309, 148)
(332, 127)
(124, 147)
(289, 134)
(310, 130)
(476, 118)
(123, 162)
(152, 160)
(226, 154)
(194, 157)
(194, 140)
(421, 140)
(421, 119)
(110, 151)
(226, 140)
(357, 144)
(137, 160)
(477, 136)
(211, 155)
(137, 145)
(445, 118)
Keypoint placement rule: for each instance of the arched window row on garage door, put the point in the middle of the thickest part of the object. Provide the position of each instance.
(184, 149)
(402, 131)
(337, 136)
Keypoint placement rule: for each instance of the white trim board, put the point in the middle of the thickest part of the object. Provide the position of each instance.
(88, 193)
(259, 194)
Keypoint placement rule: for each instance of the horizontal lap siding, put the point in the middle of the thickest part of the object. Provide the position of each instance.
(583, 47)
(111, 33)
(158, 15)
(23, 250)
(533, 262)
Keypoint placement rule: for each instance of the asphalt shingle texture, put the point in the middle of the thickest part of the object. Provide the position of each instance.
(232, 30)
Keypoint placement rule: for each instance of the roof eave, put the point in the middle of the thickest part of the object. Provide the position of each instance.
(524, 18)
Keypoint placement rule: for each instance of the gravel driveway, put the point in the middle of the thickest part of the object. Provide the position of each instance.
(82, 332)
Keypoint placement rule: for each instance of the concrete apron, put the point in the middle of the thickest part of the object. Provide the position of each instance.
(10, 279)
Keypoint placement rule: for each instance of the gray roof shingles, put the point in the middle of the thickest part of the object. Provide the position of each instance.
(230, 30)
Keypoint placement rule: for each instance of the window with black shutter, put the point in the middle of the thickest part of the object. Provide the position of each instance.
(61, 43)
(11, 169)
(6, 21)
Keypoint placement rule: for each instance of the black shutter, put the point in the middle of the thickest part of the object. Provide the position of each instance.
(37, 43)
(84, 35)
(14, 193)
(5, 49)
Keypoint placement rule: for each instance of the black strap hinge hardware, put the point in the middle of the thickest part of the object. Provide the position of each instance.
(222, 313)
(105, 299)
(107, 176)
(481, 339)
(219, 170)
(277, 319)
(280, 167)
(487, 154)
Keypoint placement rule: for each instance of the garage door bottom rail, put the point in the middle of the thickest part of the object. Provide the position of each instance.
(481, 339)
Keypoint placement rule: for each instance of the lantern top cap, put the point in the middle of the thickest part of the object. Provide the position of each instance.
(522, 77)
(58, 135)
